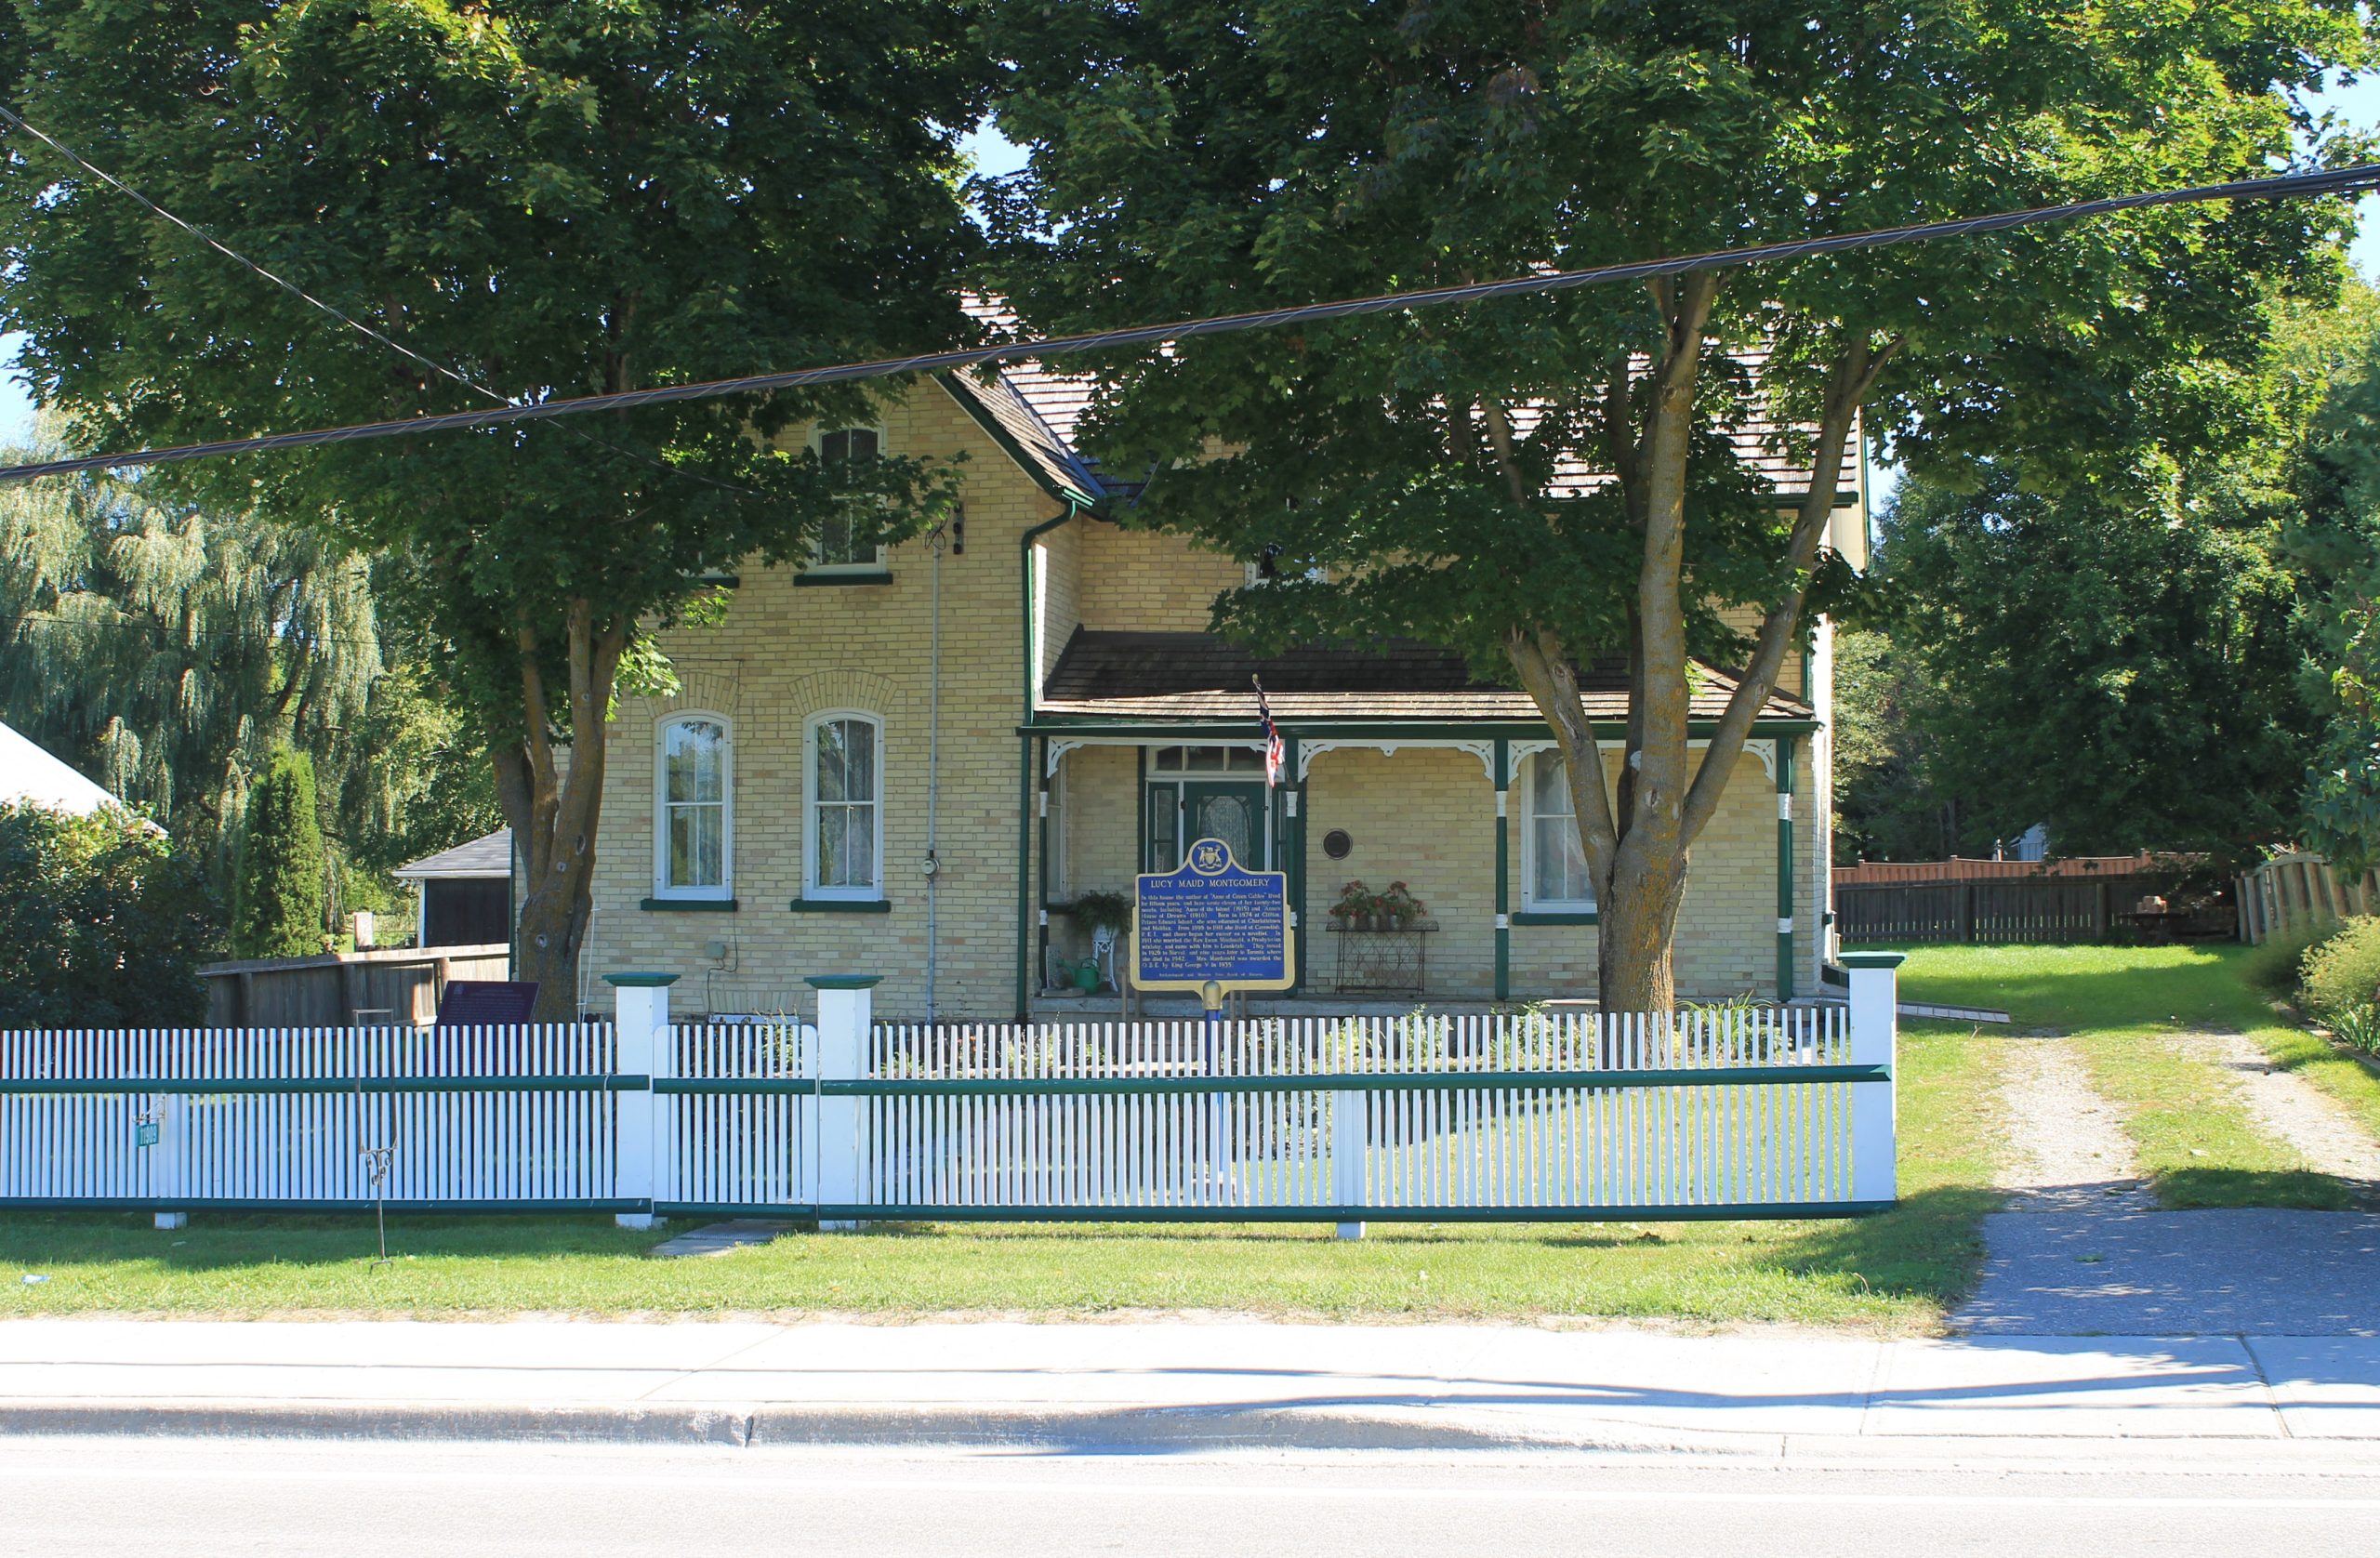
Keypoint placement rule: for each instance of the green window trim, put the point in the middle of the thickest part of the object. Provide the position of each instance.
(687, 905)
(841, 906)
(1557, 916)
(811, 579)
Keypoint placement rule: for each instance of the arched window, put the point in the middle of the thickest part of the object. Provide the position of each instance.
(842, 845)
(694, 824)
(1553, 867)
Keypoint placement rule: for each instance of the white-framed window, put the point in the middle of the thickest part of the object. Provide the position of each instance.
(845, 542)
(694, 822)
(1553, 868)
(842, 793)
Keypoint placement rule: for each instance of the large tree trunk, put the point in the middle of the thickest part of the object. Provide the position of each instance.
(1635, 969)
(554, 807)
(1637, 842)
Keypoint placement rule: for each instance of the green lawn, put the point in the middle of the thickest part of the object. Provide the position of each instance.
(1898, 1270)
(2123, 1005)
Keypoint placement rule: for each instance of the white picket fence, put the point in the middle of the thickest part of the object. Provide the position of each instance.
(1730, 1113)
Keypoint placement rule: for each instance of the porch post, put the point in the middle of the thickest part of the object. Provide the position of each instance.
(1041, 889)
(1023, 874)
(1293, 855)
(1785, 867)
(1503, 870)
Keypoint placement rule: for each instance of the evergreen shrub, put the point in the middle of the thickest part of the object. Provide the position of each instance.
(280, 908)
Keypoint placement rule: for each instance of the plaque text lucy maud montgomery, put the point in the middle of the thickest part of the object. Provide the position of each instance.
(1213, 927)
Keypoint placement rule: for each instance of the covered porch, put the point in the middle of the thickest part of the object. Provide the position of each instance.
(1423, 823)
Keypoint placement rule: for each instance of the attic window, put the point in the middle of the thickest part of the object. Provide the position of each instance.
(846, 540)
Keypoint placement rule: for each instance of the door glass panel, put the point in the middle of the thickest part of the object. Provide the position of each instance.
(1165, 847)
(1231, 817)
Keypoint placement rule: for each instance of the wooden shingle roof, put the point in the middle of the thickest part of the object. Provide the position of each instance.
(1054, 401)
(1131, 676)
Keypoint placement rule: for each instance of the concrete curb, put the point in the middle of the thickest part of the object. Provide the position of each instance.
(1092, 1431)
(1085, 1430)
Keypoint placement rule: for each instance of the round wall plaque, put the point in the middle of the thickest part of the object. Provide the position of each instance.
(1336, 843)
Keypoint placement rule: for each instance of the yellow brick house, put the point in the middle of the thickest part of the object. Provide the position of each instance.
(913, 762)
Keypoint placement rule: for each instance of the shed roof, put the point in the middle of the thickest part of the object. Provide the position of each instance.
(30, 775)
(488, 856)
(1128, 677)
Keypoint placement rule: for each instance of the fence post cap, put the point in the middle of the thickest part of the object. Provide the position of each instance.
(1871, 959)
(844, 981)
(641, 980)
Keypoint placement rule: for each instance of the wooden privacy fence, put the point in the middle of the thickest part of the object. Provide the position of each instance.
(2057, 910)
(343, 989)
(1722, 1113)
(2294, 893)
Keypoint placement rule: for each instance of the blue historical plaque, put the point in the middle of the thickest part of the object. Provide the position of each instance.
(1213, 923)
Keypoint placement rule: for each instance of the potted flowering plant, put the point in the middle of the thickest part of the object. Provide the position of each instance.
(1355, 907)
(1397, 907)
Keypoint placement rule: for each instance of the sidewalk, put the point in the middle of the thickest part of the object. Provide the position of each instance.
(1179, 1385)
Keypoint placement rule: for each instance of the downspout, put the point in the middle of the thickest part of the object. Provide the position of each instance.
(1026, 918)
(934, 768)
(1785, 867)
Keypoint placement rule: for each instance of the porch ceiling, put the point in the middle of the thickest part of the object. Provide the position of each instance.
(1126, 677)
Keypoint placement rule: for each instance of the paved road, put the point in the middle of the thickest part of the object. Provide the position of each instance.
(198, 1500)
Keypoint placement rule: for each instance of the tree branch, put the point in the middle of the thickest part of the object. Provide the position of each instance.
(1854, 375)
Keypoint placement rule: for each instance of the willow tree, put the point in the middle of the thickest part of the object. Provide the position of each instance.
(165, 648)
(545, 199)
(1543, 484)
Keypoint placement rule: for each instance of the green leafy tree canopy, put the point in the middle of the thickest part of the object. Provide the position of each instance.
(550, 198)
(1551, 482)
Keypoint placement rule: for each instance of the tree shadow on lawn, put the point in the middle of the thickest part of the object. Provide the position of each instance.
(1923, 1248)
(216, 1241)
(2193, 1189)
(1929, 1248)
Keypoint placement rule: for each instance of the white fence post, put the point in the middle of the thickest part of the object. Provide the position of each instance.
(1875, 1034)
(642, 1025)
(1350, 1142)
(165, 1159)
(846, 1009)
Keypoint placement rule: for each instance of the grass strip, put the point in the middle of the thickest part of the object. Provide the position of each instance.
(1898, 1271)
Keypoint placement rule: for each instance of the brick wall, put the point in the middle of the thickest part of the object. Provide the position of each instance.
(1141, 581)
(789, 653)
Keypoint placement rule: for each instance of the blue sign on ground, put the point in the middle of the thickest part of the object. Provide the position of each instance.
(1213, 923)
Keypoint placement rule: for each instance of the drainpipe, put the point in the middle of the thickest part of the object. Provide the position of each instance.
(933, 767)
(1025, 917)
(1785, 867)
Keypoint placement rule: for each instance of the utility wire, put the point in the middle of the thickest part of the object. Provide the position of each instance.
(441, 369)
(2361, 177)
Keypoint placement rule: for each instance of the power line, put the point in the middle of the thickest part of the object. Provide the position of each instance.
(443, 370)
(2361, 177)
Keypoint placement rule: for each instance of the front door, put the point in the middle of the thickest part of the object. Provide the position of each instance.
(1230, 810)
